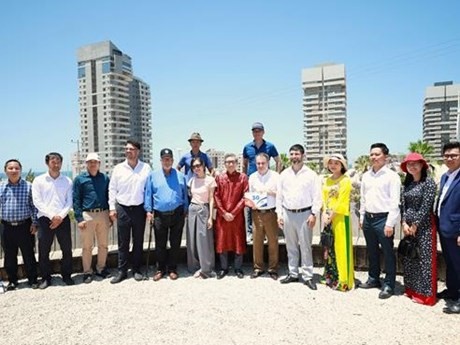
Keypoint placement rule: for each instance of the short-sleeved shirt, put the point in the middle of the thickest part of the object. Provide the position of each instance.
(199, 188)
(250, 152)
(186, 162)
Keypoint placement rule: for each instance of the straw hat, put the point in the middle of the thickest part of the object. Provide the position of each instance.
(337, 157)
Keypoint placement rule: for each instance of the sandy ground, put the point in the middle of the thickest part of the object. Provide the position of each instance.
(227, 311)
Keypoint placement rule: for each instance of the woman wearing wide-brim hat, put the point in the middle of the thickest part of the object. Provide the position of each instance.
(339, 266)
(417, 198)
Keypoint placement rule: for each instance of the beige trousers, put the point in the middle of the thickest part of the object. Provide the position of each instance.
(97, 225)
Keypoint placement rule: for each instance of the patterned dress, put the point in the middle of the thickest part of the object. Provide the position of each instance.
(339, 267)
(420, 274)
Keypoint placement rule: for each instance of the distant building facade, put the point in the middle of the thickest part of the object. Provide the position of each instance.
(324, 111)
(114, 105)
(217, 159)
(441, 115)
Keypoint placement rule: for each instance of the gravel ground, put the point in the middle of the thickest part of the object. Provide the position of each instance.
(227, 311)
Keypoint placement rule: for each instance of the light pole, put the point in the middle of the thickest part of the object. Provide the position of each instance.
(78, 154)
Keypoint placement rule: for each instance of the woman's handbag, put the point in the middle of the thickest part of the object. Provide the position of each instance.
(408, 248)
(326, 237)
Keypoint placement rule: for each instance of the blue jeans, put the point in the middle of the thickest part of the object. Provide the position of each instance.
(373, 228)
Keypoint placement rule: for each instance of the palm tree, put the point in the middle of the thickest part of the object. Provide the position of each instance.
(284, 161)
(421, 147)
(362, 164)
(30, 176)
(313, 166)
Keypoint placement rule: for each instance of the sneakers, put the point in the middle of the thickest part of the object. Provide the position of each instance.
(105, 273)
(119, 277)
(11, 286)
(138, 276)
(87, 278)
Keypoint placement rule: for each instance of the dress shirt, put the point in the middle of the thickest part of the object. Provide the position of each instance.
(127, 185)
(16, 202)
(263, 184)
(298, 190)
(165, 192)
(90, 192)
(186, 161)
(251, 150)
(380, 193)
(450, 178)
(52, 196)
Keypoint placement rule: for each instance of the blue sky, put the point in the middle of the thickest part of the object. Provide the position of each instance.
(216, 67)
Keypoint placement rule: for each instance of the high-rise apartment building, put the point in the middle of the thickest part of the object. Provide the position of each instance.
(114, 105)
(441, 120)
(324, 111)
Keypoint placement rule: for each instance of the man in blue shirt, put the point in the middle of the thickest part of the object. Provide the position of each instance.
(250, 151)
(166, 203)
(195, 142)
(91, 207)
(19, 217)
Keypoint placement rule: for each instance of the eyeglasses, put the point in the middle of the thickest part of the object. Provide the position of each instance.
(230, 162)
(451, 156)
(194, 166)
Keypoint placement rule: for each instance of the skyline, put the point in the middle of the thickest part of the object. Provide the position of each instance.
(208, 64)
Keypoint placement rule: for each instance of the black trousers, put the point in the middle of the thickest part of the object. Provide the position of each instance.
(130, 221)
(451, 254)
(45, 241)
(168, 225)
(15, 238)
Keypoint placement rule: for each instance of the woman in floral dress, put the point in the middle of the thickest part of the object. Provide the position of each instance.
(417, 200)
(339, 267)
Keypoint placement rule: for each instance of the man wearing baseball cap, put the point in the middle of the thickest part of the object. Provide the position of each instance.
(250, 151)
(91, 207)
(166, 203)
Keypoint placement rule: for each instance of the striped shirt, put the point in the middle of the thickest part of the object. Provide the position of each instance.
(16, 201)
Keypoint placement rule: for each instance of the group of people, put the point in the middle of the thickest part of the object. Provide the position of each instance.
(211, 207)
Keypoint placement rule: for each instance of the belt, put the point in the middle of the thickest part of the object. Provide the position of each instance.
(376, 215)
(17, 223)
(267, 210)
(168, 213)
(96, 210)
(300, 210)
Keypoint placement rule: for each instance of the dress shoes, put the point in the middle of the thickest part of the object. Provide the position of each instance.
(445, 294)
(370, 284)
(173, 275)
(221, 274)
(158, 275)
(256, 274)
(239, 273)
(289, 279)
(11, 286)
(119, 277)
(453, 308)
(68, 281)
(273, 275)
(87, 278)
(138, 276)
(311, 284)
(33, 284)
(386, 292)
(44, 284)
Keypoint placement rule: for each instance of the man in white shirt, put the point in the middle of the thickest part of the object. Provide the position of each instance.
(262, 201)
(298, 201)
(126, 205)
(52, 196)
(380, 193)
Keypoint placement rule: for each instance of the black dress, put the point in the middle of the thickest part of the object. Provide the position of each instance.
(420, 277)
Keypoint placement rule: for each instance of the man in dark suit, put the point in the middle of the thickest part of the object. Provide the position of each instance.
(448, 211)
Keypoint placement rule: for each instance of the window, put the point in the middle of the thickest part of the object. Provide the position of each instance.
(106, 67)
(81, 72)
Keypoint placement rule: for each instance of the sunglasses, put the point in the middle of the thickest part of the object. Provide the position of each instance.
(196, 166)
